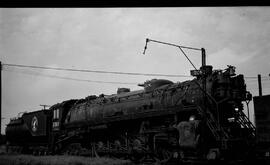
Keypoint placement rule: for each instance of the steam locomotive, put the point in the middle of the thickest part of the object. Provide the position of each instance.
(195, 120)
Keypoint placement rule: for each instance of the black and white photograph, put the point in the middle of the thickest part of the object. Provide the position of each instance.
(135, 86)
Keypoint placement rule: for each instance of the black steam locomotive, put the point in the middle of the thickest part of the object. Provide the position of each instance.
(196, 120)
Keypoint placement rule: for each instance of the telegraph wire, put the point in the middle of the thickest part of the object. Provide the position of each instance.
(110, 82)
(112, 72)
(92, 71)
(253, 77)
(74, 79)
(253, 81)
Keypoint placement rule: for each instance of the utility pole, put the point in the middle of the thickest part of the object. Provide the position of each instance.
(260, 84)
(0, 97)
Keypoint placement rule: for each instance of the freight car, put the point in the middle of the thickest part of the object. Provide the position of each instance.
(196, 120)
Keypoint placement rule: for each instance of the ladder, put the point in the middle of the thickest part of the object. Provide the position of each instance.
(217, 131)
(243, 120)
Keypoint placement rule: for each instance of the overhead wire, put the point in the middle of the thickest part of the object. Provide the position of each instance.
(250, 79)
(255, 81)
(92, 71)
(68, 78)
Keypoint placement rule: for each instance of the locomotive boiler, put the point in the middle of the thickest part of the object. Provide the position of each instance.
(200, 119)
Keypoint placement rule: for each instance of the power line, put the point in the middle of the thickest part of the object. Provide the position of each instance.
(110, 72)
(253, 77)
(74, 79)
(92, 71)
(250, 77)
(255, 81)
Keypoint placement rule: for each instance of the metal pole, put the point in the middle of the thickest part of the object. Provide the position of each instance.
(203, 57)
(166, 43)
(179, 46)
(260, 84)
(204, 76)
(248, 110)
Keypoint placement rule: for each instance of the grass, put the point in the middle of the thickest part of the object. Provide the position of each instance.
(58, 160)
(2, 149)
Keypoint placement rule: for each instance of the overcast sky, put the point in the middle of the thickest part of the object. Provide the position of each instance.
(113, 40)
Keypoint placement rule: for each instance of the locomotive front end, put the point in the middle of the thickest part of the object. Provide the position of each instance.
(227, 93)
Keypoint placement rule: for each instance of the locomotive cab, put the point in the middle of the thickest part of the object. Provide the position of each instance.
(56, 120)
(60, 112)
